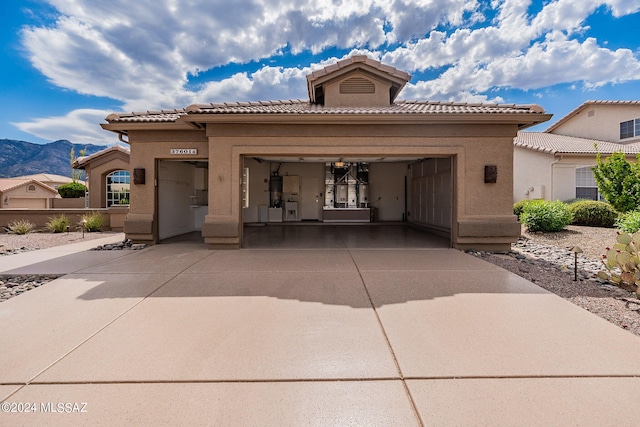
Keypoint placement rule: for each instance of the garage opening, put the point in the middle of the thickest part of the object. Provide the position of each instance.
(182, 199)
(348, 191)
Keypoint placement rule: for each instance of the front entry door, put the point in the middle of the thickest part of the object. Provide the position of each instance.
(309, 199)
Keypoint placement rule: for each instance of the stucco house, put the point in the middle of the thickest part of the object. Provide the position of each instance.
(556, 164)
(350, 153)
(25, 194)
(108, 176)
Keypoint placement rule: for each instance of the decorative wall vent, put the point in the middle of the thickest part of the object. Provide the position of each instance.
(357, 85)
(31, 187)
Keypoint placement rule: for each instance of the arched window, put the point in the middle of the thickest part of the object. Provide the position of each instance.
(118, 188)
(586, 187)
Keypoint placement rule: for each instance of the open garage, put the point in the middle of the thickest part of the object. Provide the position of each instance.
(351, 153)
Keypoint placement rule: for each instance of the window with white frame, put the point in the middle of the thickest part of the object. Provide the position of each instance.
(118, 184)
(630, 128)
(586, 186)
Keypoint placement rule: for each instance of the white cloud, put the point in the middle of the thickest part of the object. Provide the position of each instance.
(142, 52)
(78, 126)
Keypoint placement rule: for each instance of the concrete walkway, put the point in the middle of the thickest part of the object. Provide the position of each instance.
(180, 334)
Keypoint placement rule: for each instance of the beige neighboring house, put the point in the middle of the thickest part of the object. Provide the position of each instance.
(108, 176)
(556, 164)
(52, 180)
(25, 194)
(350, 153)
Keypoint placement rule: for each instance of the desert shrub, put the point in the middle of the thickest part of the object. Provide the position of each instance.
(543, 215)
(622, 263)
(629, 222)
(20, 226)
(519, 206)
(93, 221)
(72, 190)
(593, 213)
(58, 224)
(618, 180)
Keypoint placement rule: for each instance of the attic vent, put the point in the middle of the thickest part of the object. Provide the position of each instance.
(357, 85)
(591, 113)
(31, 187)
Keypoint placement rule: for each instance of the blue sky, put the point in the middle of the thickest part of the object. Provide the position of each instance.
(67, 64)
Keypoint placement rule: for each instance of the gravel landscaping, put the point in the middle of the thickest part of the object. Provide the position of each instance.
(542, 258)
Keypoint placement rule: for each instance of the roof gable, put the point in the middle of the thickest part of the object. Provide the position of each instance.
(568, 117)
(110, 153)
(356, 66)
(7, 184)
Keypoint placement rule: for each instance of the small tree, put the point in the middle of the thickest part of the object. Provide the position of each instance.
(618, 180)
(75, 173)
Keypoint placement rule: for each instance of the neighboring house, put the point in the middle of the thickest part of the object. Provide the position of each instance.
(351, 152)
(556, 164)
(25, 194)
(52, 180)
(108, 176)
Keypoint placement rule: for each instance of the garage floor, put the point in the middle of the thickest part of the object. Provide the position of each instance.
(181, 334)
(331, 236)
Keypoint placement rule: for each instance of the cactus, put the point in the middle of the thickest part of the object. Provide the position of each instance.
(622, 263)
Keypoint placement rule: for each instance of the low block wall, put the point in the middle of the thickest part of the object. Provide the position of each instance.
(114, 217)
(75, 203)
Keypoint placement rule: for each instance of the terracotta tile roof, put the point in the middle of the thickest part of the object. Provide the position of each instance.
(359, 59)
(559, 144)
(45, 177)
(399, 107)
(7, 184)
(81, 161)
(161, 116)
(585, 105)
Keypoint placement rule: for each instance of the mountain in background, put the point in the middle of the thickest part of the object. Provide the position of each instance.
(19, 158)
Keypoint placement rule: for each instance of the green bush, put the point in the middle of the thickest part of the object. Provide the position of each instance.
(543, 215)
(618, 180)
(593, 213)
(519, 206)
(72, 190)
(93, 221)
(629, 222)
(58, 224)
(20, 226)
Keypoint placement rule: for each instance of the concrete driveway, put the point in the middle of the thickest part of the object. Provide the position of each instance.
(308, 335)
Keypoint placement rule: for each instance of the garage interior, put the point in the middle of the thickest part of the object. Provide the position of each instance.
(182, 198)
(284, 192)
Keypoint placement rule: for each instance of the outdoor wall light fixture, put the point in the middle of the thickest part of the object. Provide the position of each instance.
(490, 174)
(138, 176)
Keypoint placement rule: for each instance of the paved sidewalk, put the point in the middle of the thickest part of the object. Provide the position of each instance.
(60, 259)
(180, 334)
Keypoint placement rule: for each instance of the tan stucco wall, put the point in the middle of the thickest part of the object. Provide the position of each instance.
(333, 97)
(472, 146)
(482, 213)
(146, 148)
(96, 173)
(603, 124)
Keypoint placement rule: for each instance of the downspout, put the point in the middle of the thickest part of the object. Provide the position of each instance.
(121, 137)
(551, 177)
